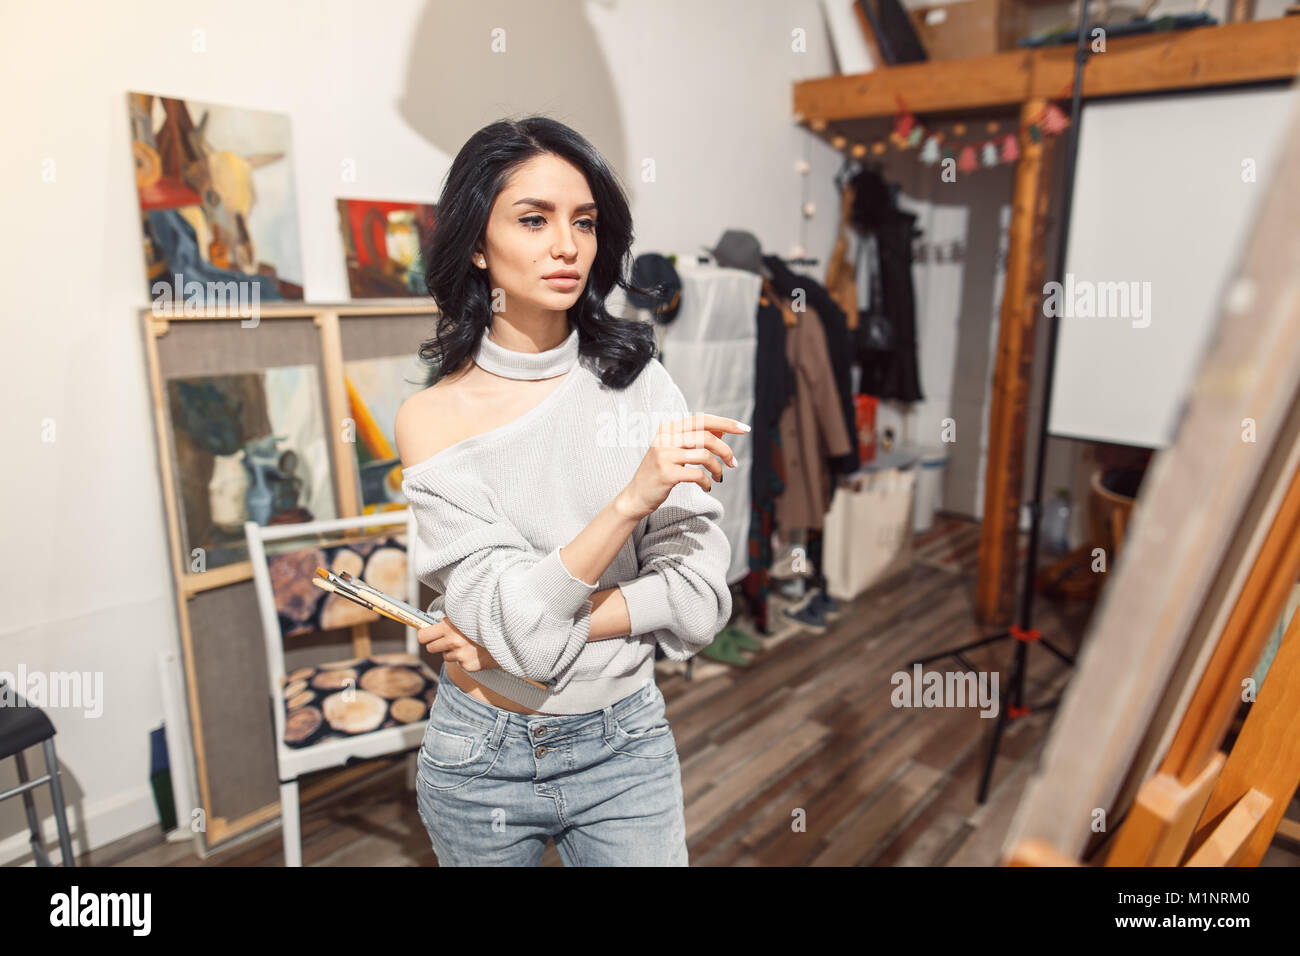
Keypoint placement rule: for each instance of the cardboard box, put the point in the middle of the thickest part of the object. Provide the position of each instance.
(971, 28)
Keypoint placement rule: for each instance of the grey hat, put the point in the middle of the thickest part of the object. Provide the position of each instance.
(738, 249)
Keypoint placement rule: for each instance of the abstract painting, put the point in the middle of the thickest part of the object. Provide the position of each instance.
(376, 389)
(383, 242)
(217, 199)
(249, 446)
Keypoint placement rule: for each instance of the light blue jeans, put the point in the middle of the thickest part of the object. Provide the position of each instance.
(494, 785)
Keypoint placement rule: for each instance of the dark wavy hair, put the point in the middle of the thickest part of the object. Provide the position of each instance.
(622, 347)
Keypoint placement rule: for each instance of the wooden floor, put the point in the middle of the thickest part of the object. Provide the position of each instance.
(807, 732)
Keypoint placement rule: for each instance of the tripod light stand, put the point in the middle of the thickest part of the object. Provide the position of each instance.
(1025, 634)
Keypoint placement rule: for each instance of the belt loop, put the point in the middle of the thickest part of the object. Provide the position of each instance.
(608, 711)
(498, 730)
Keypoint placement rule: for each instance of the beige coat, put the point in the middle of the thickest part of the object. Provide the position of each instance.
(812, 426)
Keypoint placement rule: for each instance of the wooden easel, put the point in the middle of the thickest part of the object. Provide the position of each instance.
(290, 333)
(1223, 811)
(1211, 556)
(1212, 809)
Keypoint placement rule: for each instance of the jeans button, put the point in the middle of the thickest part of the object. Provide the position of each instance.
(539, 731)
(541, 751)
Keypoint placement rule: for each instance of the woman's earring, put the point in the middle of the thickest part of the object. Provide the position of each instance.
(479, 260)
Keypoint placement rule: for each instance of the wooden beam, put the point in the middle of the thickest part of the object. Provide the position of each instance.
(1022, 296)
(1234, 53)
(978, 82)
(1254, 52)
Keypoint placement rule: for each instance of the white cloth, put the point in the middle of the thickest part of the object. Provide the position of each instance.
(710, 349)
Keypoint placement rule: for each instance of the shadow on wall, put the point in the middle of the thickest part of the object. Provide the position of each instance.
(472, 64)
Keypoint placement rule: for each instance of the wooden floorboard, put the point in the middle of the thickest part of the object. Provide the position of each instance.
(799, 759)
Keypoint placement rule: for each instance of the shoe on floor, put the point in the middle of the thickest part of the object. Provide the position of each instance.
(810, 615)
(724, 650)
(741, 638)
(827, 603)
(794, 589)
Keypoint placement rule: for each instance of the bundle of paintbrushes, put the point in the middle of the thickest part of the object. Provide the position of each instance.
(357, 591)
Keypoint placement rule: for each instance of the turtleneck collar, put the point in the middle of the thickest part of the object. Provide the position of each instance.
(508, 363)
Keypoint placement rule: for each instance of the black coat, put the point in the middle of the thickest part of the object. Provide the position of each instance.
(893, 373)
(774, 384)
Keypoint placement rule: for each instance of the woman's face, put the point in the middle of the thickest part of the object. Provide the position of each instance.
(542, 222)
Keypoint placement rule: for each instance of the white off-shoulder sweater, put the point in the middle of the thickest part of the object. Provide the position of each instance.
(493, 511)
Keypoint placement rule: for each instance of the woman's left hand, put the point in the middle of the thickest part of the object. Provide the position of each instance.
(445, 638)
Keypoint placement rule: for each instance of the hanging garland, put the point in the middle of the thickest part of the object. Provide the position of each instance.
(910, 132)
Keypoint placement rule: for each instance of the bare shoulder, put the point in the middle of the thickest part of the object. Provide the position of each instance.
(427, 422)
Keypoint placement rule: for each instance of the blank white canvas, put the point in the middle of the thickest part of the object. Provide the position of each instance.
(1159, 198)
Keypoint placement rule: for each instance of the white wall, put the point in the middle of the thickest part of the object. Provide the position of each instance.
(703, 89)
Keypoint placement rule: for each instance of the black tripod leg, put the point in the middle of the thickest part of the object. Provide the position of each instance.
(1016, 689)
(954, 651)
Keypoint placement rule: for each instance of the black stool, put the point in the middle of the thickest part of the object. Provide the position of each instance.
(22, 726)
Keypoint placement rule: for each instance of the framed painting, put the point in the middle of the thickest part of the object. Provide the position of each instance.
(218, 209)
(383, 242)
(247, 446)
(376, 389)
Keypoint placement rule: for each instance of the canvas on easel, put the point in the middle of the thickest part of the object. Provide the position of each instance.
(225, 368)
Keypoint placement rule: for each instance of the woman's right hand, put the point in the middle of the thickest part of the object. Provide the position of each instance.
(694, 440)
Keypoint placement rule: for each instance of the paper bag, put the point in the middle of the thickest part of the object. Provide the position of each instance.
(867, 535)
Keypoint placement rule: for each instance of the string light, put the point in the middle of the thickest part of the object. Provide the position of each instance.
(996, 148)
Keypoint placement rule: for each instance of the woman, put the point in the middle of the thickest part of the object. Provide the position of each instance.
(551, 450)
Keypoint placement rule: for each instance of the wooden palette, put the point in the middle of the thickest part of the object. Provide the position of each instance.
(348, 698)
